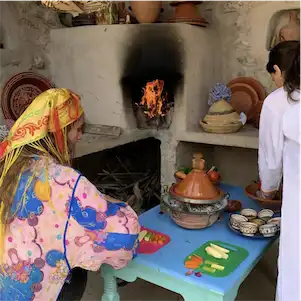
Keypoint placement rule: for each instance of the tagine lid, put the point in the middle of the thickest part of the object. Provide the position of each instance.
(197, 184)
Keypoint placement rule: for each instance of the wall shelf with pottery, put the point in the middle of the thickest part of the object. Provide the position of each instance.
(247, 137)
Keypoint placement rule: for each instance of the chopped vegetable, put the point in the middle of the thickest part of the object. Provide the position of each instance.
(213, 252)
(148, 236)
(142, 235)
(209, 269)
(218, 267)
(208, 262)
(216, 253)
(181, 175)
(198, 274)
(220, 248)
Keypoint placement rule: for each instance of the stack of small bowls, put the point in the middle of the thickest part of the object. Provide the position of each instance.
(249, 222)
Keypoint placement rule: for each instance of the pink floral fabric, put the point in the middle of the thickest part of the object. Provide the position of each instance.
(41, 245)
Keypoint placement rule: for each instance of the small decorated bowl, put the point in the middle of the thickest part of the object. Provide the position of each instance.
(236, 220)
(268, 230)
(265, 214)
(258, 221)
(249, 213)
(248, 228)
(276, 221)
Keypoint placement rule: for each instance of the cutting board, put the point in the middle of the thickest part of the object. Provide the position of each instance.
(236, 256)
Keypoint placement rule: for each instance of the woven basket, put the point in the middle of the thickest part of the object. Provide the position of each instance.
(274, 205)
(221, 129)
(222, 119)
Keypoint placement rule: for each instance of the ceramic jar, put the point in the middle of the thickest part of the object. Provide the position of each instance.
(146, 11)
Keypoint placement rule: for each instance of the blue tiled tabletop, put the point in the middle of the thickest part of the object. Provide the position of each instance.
(170, 259)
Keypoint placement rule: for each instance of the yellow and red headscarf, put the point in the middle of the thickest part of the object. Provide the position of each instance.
(50, 112)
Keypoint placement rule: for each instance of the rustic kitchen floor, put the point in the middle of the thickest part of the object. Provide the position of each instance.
(257, 287)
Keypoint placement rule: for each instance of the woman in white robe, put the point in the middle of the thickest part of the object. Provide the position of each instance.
(279, 157)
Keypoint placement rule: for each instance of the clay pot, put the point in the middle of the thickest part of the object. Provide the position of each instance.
(187, 12)
(146, 11)
(291, 31)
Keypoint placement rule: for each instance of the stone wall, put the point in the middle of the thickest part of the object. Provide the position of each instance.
(243, 28)
(25, 28)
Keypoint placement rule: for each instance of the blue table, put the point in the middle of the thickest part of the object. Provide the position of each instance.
(165, 268)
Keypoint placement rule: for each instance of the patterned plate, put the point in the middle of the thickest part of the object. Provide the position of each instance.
(20, 91)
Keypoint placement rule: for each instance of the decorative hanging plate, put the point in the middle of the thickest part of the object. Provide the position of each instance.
(19, 91)
(255, 84)
(244, 99)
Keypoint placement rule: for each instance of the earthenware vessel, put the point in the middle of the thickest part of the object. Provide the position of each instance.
(236, 220)
(249, 213)
(268, 230)
(265, 214)
(276, 221)
(146, 11)
(248, 228)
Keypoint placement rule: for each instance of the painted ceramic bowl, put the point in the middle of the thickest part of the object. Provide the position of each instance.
(266, 214)
(249, 213)
(258, 221)
(268, 230)
(248, 228)
(236, 220)
(276, 221)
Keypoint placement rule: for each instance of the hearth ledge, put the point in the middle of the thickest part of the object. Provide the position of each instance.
(94, 143)
(247, 137)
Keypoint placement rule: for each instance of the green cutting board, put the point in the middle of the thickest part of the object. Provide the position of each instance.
(236, 256)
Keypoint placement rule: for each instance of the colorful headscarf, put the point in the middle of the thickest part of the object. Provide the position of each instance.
(50, 112)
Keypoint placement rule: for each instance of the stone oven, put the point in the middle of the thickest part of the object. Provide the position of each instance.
(152, 74)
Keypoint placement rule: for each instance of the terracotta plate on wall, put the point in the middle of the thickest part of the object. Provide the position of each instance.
(255, 84)
(19, 91)
(244, 99)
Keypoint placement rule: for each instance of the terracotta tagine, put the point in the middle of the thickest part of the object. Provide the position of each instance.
(187, 12)
(197, 184)
(146, 11)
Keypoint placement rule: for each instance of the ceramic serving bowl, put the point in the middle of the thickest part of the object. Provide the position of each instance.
(236, 220)
(248, 228)
(258, 221)
(249, 213)
(266, 214)
(276, 221)
(268, 230)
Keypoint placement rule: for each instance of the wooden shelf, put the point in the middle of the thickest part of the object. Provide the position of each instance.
(247, 137)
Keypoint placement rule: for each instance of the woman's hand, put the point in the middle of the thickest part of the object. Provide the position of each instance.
(265, 195)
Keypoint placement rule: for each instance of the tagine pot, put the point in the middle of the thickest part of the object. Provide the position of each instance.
(146, 11)
(197, 184)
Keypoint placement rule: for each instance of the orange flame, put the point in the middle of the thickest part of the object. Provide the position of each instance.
(153, 98)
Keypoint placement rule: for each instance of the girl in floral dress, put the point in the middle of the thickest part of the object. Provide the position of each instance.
(52, 218)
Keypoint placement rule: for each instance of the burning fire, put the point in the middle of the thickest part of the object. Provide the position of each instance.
(154, 99)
